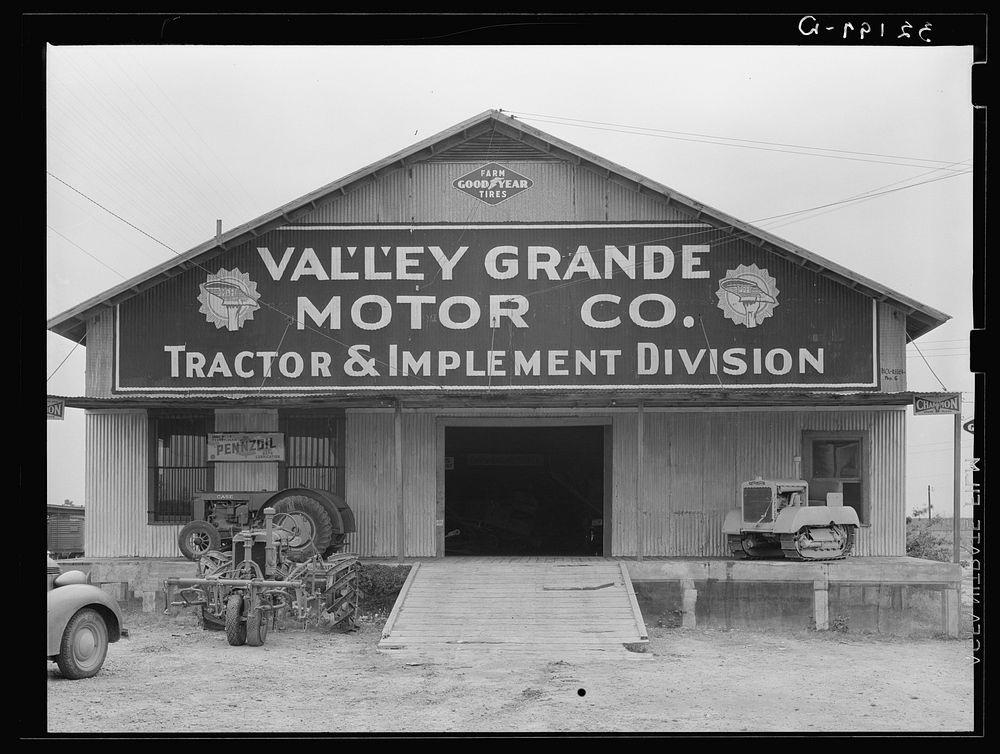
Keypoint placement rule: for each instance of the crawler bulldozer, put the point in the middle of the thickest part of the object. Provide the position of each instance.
(775, 520)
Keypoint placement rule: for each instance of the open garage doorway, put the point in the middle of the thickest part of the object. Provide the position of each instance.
(526, 490)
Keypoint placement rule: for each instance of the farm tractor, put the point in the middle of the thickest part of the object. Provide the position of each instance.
(776, 520)
(318, 521)
(256, 585)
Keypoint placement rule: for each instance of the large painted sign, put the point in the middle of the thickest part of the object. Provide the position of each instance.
(499, 307)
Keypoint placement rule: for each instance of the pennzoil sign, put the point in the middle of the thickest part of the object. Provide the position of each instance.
(246, 446)
(493, 183)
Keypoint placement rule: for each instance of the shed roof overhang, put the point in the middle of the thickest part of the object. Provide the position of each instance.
(527, 399)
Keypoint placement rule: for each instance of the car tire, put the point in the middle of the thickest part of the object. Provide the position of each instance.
(84, 645)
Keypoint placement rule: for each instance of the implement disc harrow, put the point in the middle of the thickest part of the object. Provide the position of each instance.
(245, 600)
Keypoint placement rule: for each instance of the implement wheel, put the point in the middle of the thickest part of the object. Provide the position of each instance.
(197, 538)
(236, 628)
(256, 627)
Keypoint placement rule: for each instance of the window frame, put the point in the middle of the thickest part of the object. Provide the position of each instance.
(809, 437)
(286, 419)
(154, 514)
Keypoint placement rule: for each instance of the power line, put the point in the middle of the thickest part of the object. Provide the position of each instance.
(730, 138)
(136, 227)
(209, 272)
(744, 234)
(78, 342)
(743, 146)
(925, 362)
(85, 252)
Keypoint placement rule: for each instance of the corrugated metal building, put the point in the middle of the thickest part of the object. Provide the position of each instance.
(478, 326)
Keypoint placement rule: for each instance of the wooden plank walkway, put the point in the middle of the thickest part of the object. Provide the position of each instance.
(538, 605)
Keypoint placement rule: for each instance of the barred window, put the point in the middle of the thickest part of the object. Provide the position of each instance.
(314, 450)
(179, 465)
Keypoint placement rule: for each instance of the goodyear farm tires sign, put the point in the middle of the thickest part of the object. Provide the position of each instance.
(495, 306)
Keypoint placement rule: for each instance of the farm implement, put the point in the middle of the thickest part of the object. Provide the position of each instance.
(256, 585)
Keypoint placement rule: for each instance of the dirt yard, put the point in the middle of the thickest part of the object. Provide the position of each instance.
(171, 677)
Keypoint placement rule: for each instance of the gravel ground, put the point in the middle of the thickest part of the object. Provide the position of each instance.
(171, 677)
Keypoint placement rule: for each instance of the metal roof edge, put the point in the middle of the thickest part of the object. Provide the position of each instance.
(484, 399)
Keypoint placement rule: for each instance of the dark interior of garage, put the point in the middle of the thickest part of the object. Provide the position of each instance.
(524, 490)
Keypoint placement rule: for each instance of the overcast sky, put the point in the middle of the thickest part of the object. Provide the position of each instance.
(172, 138)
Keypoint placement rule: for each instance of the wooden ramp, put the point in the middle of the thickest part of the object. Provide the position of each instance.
(545, 605)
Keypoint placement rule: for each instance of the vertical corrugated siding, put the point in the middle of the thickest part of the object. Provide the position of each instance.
(590, 196)
(892, 348)
(246, 476)
(371, 486)
(117, 489)
(887, 488)
(654, 493)
(625, 203)
(561, 191)
(420, 455)
(100, 353)
(694, 463)
(623, 483)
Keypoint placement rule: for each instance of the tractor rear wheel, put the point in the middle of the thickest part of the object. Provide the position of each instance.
(236, 628)
(198, 538)
(312, 528)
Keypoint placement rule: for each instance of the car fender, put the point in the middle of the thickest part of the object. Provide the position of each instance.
(63, 603)
(791, 519)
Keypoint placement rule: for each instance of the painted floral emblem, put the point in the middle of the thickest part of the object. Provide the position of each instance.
(747, 295)
(228, 299)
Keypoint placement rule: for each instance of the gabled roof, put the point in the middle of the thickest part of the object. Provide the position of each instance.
(523, 142)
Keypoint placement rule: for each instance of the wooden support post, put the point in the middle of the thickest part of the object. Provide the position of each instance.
(689, 600)
(821, 605)
(952, 612)
(638, 484)
(439, 519)
(957, 515)
(400, 523)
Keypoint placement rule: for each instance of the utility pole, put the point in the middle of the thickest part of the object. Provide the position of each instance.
(928, 502)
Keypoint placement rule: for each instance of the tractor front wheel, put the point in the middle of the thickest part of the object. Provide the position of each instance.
(198, 538)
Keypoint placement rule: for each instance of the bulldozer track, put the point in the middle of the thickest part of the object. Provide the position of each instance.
(788, 550)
